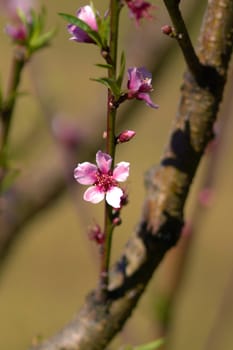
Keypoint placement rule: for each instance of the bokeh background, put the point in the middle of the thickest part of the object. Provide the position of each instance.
(53, 265)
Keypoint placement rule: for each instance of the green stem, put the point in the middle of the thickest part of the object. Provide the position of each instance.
(112, 73)
(106, 250)
(9, 103)
(115, 7)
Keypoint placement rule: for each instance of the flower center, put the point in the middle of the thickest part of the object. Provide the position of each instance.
(145, 85)
(105, 181)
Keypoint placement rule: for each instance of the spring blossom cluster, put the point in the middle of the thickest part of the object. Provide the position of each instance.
(103, 180)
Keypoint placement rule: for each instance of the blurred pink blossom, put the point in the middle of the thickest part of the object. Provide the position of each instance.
(206, 197)
(139, 9)
(10, 7)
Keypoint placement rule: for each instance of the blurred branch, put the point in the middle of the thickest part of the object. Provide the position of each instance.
(168, 186)
(214, 154)
(32, 194)
(219, 324)
(18, 63)
(16, 208)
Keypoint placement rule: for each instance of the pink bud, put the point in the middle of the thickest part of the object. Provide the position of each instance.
(124, 199)
(95, 234)
(116, 221)
(166, 29)
(125, 136)
(17, 33)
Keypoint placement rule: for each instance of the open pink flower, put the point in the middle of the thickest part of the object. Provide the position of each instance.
(139, 85)
(87, 15)
(104, 181)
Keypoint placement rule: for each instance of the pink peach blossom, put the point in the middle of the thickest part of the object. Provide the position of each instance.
(87, 15)
(103, 179)
(139, 85)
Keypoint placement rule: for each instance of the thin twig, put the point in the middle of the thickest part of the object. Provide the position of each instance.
(183, 39)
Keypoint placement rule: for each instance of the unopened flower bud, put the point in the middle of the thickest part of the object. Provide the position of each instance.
(116, 221)
(87, 15)
(95, 234)
(125, 136)
(166, 29)
(124, 199)
(16, 33)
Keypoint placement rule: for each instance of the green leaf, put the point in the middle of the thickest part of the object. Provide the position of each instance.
(42, 40)
(37, 24)
(84, 26)
(122, 70)
(151, 346)
(22, 16)
(104, 29)
(111, 84)
(107, 66)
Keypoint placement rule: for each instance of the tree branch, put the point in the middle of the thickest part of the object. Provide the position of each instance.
(183, 39)
(167, 186)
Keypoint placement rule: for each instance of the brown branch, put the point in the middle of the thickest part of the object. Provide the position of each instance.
(167, 186)
(183, 39)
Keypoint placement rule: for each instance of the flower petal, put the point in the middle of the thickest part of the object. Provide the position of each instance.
(87, 15)
(144, 74)
(147, 99)
(121, 171)
(85, 173)
(78, 34)
(113, 197)
(134, 80)
(103, 161)
(93, 194)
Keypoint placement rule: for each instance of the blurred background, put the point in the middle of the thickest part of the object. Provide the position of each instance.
(52, 264)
